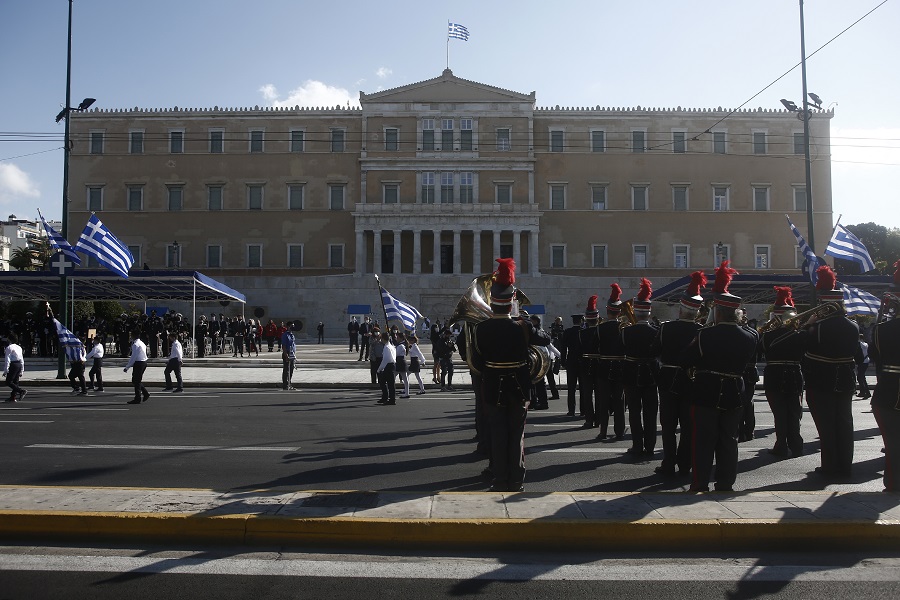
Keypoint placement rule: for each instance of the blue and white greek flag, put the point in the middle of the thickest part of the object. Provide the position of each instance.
(72, 346)
(860, 302)
(812, 261)
(59, 242)
(455, 30)
(397, 309)
(97, 241)
(847, 246)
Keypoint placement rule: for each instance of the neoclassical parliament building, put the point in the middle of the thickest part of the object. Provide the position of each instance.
(427, 183)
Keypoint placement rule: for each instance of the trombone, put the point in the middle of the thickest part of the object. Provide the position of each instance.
(799, 320)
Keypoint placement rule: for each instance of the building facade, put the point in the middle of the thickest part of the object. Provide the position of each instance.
(427, 183)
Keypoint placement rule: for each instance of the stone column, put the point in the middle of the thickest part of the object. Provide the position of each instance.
(496, 244)
(417, 251)
(360, 268)
(534, 253)
(457, 255)
(397, 267)
(476, 252)
(376, 264)
(517, 248)
(436, 267)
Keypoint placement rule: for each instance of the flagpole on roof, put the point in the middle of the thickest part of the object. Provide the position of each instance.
(448, 44)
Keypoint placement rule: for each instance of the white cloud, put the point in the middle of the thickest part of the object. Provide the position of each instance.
(311, 94)
(383, 73)
(15, 185)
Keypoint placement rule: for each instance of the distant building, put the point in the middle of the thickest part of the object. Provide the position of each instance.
(427, 183)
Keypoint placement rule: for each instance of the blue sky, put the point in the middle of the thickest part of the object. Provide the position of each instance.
(620, 53)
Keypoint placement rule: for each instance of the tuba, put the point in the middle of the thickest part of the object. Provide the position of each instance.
(627, 318)
(474, 307)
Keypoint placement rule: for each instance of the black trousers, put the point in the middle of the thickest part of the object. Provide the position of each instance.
(643, 408)
(787, 411)
(173, 366)
(386, 381)
(833, 415)
(589, 402)
(12, 379)
(96, 372)
(888, 419)
(137, 379)
(507, 425)
(76, 376)
(611, 401)
(714, 437)
(364, 348)
(675, 418)
(572, 381)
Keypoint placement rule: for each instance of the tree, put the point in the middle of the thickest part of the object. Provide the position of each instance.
(23, 259)
(882, 243)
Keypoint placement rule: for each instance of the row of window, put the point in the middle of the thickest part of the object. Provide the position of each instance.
(454, 188)
(253, 257)
(447, 138)
(681, 256)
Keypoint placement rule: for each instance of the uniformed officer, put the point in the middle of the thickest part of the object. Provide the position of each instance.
(590, 355)
(608, 375)
(718, 355)
(673, 383)
(570, 356)
(884, 351)
(829, 372)
(639, 374)
(782, 379)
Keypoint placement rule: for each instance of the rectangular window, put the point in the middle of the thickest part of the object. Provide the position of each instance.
(598, 256)
(446, 188)
(256, 140)
(95, 198)
(427, 188)
(336, 256)
(465, 135)
(800, 199)
(297, 140)
(759, 142)
(466, 187)
(136, 142)
(720, 198)
(760, 198)
(295, 196)
(598, 197)
(679, 142)
(638, 140)
(598, 141)
(428, 135)
(446, 258)
(336, 196)
(391, 193)
(639, 256)
(679, 198)
(176, 197)
(96, 142)
(215, 196)
(136, 254)
(135, 197)
(639, 197)
(557, 197)
(681, 256)
(216, 141)
(719, 142)
(214, 257)
(503, 144)
(173, 255)
(391, 139)
(557, 256)
(447, 135)
(504, 193)
(799, 144)
(557, 141)
(254, 197)
(254, 256)
(337, 140)
(762, 257)
(176, 141)
(295, 256)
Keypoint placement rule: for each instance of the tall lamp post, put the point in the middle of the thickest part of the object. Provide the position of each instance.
(64, 114)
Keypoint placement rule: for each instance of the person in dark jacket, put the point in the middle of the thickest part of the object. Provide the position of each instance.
(639, 373)
(884, 351)
(570, 356)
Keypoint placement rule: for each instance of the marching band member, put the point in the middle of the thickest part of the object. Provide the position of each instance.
(829, 372)
(718, 354)
(885, 353)
(639, 374)
(590, 355)
(570, 355)
(608, 379)
(782, 379)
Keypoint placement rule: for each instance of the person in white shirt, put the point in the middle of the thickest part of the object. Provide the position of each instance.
(76, 373)
(386, 370)
(176, 359)
(97, 367)
(416, 362)
(138, 360)
(13, 367)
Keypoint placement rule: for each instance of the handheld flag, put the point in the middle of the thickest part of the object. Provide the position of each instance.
(59, 242)
(455, 30)
(847, 246)
(812, 262)
(397, 309)
(859, 302)
(72, 346)
(97, 241)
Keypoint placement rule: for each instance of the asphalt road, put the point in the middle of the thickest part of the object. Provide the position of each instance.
(340, 439)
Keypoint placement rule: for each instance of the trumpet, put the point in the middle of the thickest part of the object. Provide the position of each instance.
(800, 320)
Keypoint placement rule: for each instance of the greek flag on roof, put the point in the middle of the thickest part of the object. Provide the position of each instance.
(844, 244)
(69, 341)
(97, 241)
(455, 30)
(59, 242)
(860, 302)
(397, 309)
(812, 261)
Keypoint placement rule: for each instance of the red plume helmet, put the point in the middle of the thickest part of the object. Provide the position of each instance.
(591, 312)
(615, 293)
(698, 282)
(723, 278)
(897, 273)
(826, 279)
(784, 296)
(502, 290)
(645, 291)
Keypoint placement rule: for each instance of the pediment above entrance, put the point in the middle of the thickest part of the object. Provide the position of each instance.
(446, 88)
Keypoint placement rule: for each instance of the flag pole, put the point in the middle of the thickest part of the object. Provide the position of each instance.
(381, 301)
(448, 44)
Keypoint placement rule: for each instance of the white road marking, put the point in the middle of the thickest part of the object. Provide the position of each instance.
(151, 447)
(26, 421)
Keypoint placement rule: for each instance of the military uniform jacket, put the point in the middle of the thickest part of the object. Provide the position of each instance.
(828, 363)
(499, 351)
(672, 340)
(608, 351)
(570, 349)
(641, 366)
(784, 349)
(719, 355)
(885, 353)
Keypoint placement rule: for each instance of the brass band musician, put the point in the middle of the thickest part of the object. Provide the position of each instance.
(639, 373)
(885, 353)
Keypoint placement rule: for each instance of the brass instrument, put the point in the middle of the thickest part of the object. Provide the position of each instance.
(474, 307)
(627, 317)
(799, 320)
